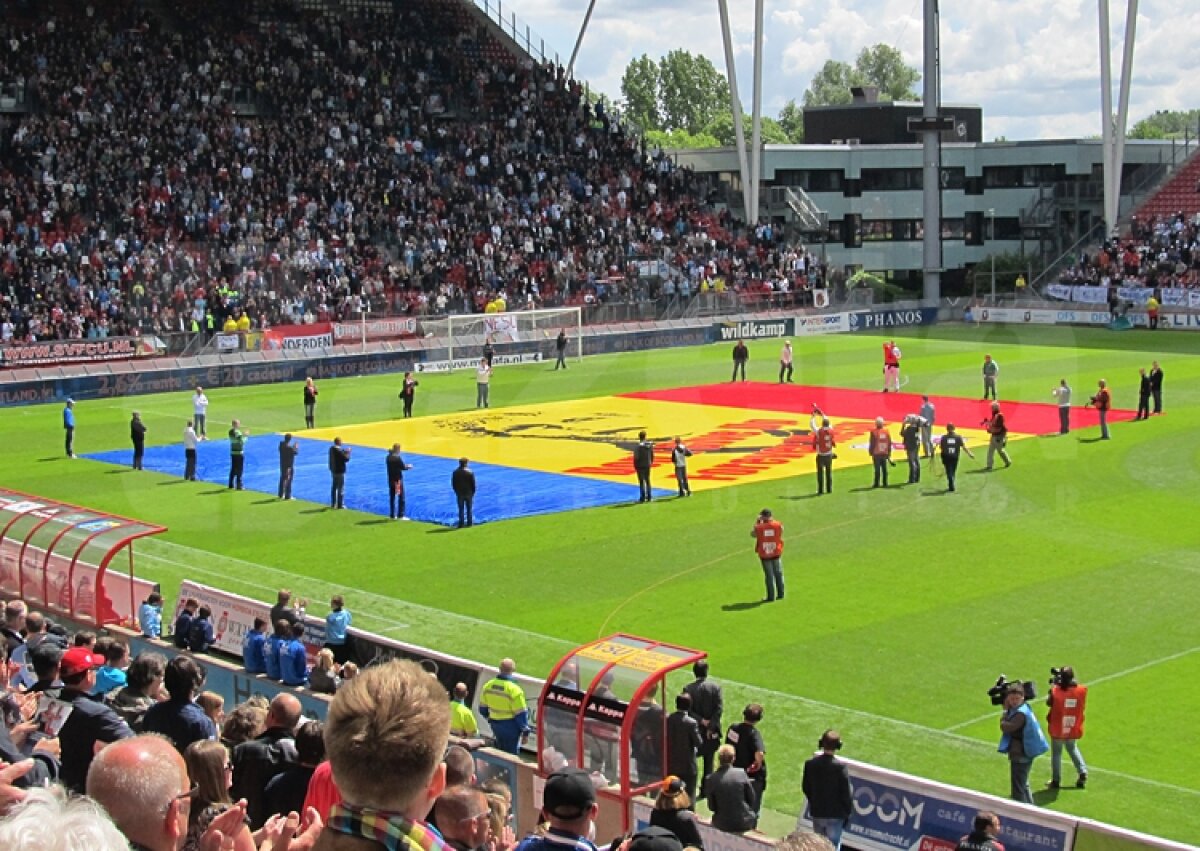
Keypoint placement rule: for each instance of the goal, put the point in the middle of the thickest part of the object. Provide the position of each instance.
(516, 332)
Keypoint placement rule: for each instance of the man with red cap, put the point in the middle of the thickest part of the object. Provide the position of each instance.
(89, 721)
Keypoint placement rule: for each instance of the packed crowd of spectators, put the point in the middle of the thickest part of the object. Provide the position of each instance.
(1162, 252)
(293, 166)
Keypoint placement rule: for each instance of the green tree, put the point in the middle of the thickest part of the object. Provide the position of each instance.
(1165, 124)
(721, 129)
(881, 66)
(791, 121)
(691, 91)
(831, 85)
(639, 88)
(682, 139)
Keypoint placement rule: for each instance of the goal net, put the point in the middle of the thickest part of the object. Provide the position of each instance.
(516, 332)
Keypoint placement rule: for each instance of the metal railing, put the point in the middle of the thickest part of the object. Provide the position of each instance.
(1055, 266)
(523, 36)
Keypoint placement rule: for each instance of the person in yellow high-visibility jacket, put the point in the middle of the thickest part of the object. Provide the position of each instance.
(462, 720)
(503, 705)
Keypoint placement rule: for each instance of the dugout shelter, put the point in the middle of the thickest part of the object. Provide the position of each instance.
(604, 709)
(64, 558)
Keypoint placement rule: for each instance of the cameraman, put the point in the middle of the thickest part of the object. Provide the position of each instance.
(1022, 739)
(997, 428)
(1102, 401)
(1067, 701)
(768, 537)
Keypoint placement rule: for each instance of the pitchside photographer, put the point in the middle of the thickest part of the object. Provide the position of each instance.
(1021, 736)
(1067, 701)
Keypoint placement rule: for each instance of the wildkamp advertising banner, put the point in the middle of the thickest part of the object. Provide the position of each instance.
(753, 329)
(299, 337)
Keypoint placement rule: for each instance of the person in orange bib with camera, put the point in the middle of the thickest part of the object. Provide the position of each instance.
(1067, 701)
(768, 536)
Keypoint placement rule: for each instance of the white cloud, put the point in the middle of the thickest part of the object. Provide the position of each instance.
(1033, 65)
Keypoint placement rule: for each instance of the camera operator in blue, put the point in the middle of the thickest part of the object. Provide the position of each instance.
(1022, 739)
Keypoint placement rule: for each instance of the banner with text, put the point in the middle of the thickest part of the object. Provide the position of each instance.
(873, 320)
(826, 323)
(899, 812)
(753, 329)
(471, 363)
(17, 355)
(375, 329)
(299, 337)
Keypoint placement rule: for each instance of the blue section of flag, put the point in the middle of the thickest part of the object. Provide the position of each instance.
(502, 492)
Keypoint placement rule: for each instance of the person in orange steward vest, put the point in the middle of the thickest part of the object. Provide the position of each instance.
(1102, 401)
(880, 448)
(824, 443)
(768, 536)
(891, 366)
(1067, 701)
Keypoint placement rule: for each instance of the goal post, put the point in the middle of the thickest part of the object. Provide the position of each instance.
(515, 330)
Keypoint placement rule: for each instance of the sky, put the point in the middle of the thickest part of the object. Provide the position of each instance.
(1033, 65)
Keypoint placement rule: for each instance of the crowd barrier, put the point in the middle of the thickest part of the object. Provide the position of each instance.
(1080, 316)
(233, 616)
(1181, 297)
(236, 369)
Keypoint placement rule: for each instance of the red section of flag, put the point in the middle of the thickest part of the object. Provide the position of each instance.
(1023, 417)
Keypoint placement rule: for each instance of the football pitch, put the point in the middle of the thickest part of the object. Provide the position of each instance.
(903, 604)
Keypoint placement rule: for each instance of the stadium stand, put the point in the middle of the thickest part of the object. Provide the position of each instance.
(1163, 251)
(292, 162)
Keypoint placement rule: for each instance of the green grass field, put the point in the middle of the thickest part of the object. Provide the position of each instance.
(903, 605)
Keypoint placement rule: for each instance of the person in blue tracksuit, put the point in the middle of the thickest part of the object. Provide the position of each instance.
(253, 646)
(293, 659)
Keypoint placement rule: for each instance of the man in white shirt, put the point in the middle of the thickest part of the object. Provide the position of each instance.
(483, 377)
(200, 412)
(785, 362)
(189, 452)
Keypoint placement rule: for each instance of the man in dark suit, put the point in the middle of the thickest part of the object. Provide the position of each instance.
(683, 743)
(287, 466)
(339, 457)
(137, 434)
(730, 795)
(1143, 409)
(1156, 380)
(826, 784)
(258, 761)
(463, 482)
(395, 474)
